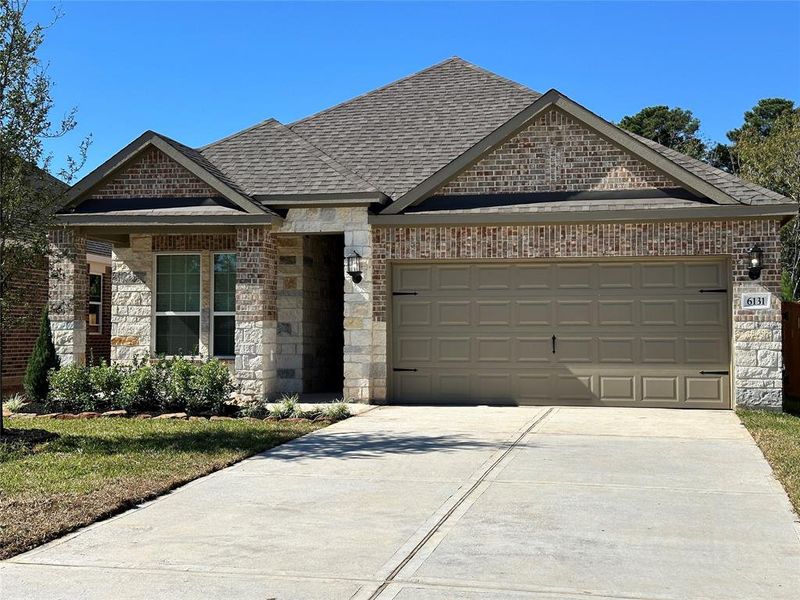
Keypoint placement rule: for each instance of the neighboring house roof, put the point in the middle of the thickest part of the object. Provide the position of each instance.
(269, 159)
(401, 142)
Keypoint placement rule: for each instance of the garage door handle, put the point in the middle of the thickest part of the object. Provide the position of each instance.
(405, 370)
(714, 291)
(554, 344)
(714, 372)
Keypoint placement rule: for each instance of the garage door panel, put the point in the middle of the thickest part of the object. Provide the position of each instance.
(574, 312)
(493, 312)
(534, 312)
(659, 275)
(628, 333)
(703, 275)
(616, 312)
(453, 313)
(411, 313)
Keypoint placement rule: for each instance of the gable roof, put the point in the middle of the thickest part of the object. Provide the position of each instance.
(190, 159)
(270, 160)
(402, 133)
(695, 176)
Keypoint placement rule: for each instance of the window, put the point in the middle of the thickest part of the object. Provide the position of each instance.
(177, 304)
(95, 303)
(224, 305)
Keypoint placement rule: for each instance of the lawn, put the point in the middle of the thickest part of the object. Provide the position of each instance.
(778, 436)
(99, 467)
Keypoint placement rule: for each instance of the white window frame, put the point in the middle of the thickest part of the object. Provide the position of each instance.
(171, 313)
(221, 313)
(99, 304)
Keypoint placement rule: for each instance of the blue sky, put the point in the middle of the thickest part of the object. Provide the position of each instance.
(197, 71)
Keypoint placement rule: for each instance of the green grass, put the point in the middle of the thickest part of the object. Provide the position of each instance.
(778, 436)
(99, 467)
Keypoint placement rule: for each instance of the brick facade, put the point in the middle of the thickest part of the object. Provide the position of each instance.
(555, 153)
(98, 345)
(24, 319)
(153, 174)
(756, 334)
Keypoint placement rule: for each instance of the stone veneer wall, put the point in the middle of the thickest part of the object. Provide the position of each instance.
(69, 285)
(757, 362)
(362, 361)
(555, 153)
(256, 311)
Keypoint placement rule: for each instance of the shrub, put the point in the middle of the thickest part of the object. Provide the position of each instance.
(106, 381)
(211, 388)
(286, 408)
(255, 408)
(336, 411)
(177, 375)
(43, 359)
(70, 389)
(142, 388)
(15, 403)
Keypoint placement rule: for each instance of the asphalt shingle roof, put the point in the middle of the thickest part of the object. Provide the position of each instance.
(739, 189)
(270, 159)
(398, 135)
(392, 139)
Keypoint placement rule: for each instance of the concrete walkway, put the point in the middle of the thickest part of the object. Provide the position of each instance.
(454, 503)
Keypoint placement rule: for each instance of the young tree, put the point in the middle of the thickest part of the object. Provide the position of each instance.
(674, 128)
(29, 194)
(42, 360)
(773, 160)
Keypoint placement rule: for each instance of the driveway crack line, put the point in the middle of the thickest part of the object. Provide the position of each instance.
(461, 500)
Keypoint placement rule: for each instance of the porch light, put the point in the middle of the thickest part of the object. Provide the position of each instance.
(354, 267)
(755, 263)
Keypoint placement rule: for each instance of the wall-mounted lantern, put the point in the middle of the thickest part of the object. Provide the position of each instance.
(354, 267)
(755, 261)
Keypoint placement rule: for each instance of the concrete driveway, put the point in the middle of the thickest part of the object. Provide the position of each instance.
(454, 503)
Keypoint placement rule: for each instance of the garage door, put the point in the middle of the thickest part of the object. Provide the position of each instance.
(650, 333)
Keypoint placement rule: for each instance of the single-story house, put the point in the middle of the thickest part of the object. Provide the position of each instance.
(452, 237)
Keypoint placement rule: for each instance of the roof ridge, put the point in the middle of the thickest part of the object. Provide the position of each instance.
(337, 166)
(478, 68)
(238, 133)
(452, 59)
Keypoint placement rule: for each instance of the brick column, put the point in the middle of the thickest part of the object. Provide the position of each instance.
(256, 311)
(69, 282)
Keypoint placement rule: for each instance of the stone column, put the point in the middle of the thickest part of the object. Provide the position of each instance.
(132, 300)
(256, 311)
(757, 334)
(358, 358)
(69, 283)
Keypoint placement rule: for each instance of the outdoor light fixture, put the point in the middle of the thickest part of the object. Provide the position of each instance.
(755, 262)
(354, 267)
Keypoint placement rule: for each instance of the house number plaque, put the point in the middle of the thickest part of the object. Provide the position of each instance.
(756, 301)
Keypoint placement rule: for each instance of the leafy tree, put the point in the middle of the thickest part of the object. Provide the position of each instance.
(42, 360)
(675, 128)
(29, 194)
(774, 162)
(759, 122)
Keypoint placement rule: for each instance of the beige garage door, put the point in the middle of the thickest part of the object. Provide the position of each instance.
(649, 333)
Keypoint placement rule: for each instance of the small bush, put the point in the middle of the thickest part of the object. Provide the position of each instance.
(43, 359)
(142, 389)
(255, 408)
(177, 375)
(336, 411)
(211, 386)
(70, 389)
(15, 403)
(286, 408)
(106, 381)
